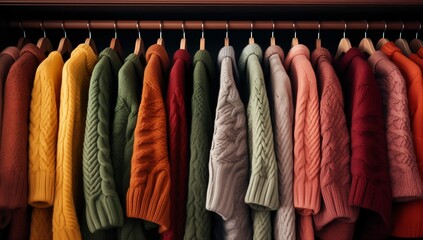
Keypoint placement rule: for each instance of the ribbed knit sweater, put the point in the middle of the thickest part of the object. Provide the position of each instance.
(370, 187)
(68, 197)
(103, 208)
(405, 176)
(122, 142)
(198, 218)
(14, 138)
(282, 109)
(148, 195)
(407, 217)
(262, 192)
(336, 217)
(228, 165)
(180, 75)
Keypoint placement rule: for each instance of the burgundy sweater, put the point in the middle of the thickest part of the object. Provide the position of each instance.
(180, 75)
(370, 186)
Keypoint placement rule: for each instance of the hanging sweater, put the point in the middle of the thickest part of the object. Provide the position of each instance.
(125, 118)
(14, 138)
(405, 176)
(68, 196)
(103, 208)
(370, 187)
(262, 192)
(336, 217)
(407, 217)
(180, 75)
(198, 218)
(282, 109)
(306, 138)
(228, 165)
(148, 195)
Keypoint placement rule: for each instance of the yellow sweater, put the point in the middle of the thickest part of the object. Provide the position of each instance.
(73, 106)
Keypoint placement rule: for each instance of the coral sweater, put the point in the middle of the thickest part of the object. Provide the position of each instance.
(148, 196)
(68, 194)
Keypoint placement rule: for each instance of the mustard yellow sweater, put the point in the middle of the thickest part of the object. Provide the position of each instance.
(73, 107)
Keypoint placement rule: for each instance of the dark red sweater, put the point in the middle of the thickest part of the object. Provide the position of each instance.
(370, 187)
(180, 76)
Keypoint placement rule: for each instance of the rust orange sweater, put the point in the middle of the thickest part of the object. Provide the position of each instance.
(148, 195)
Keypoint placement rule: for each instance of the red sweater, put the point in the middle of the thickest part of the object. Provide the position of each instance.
(370, 186)
(178, 142)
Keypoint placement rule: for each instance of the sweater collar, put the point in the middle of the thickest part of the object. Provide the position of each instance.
(344, 62)
(320, 53)
(250, 49)
(270, 51)
(90, 57)
(159, 51)
(376, 58)
(114, 59)
(13, 52)
(182, 54)
(230, 53)
(297, 50)
(390, 49)
(33, 50)
(204, 57)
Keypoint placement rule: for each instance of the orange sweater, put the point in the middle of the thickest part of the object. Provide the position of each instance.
(148, 195)
(408, 216)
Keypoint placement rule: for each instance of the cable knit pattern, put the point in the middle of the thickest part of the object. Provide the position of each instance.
(68, 198)
(125, 118)
(403, 169)
(198, 218)
(228, 165)
(262, 193)
(103, 208)
(335, 172)
(148, 195)
(282, 109)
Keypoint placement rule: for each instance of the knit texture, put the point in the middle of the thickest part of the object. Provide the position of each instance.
(103, 208)
(228, 165)
(180, 75)
(148, 195)
(198, 218)
(335, 173)
(68, 198)
(14, 138)
(41, 227)
(403, 169)
(370, 187)
(262, 193)
(282, 110)
(125, 118)
(407, 217)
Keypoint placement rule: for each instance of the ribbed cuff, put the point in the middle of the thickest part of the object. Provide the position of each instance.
(406, 184)
(262, 193)
(14, 189)
(41, 189)
(307, 197)
(104, 212)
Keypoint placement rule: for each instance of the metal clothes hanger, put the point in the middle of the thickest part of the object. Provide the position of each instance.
(251, 39)
(65, 46)
(89, 41)
(115, 43)
(366, 44)
(344, 44)
(44, 43)
(318, 40)
(139, 48)
(294, 41)
(402, 44)
(416, 43)
(273, 39)
(202, 39)
(160, 40)
(383, 40)
(23, 40)
(226, 41)
(183, 44)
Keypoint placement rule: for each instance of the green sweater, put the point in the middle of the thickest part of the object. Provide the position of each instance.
(198, 218)
(103, 208)
(122, 142)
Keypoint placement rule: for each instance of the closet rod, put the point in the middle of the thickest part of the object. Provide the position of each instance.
(171, 24)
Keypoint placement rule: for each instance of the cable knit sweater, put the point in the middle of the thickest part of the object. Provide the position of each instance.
(336, 217)
(125, 118)
(180, 75)
(262, 192)
(228, 165)
(198, 218)
(306, 138)
(405, 177)
(282, 109)
(370, 187)
(407, 217)
(148, 195)
(68, 197)
(103, 208)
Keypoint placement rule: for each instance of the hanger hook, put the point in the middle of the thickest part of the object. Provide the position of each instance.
(384, 30)
(402, 29)
(273, 29)
(420, 28)
(318, 31)
(367, 28)
(23, 30)
(64, 30)
(202, 29)
(295, 30)
(345, 29)
(42, 28)
(227, 29)
(251, 31)
(138, 28)
(161, 33)
(89, 30)
(115, 28)
(183, 29)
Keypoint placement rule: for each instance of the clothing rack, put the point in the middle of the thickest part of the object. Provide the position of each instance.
(230, 25)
